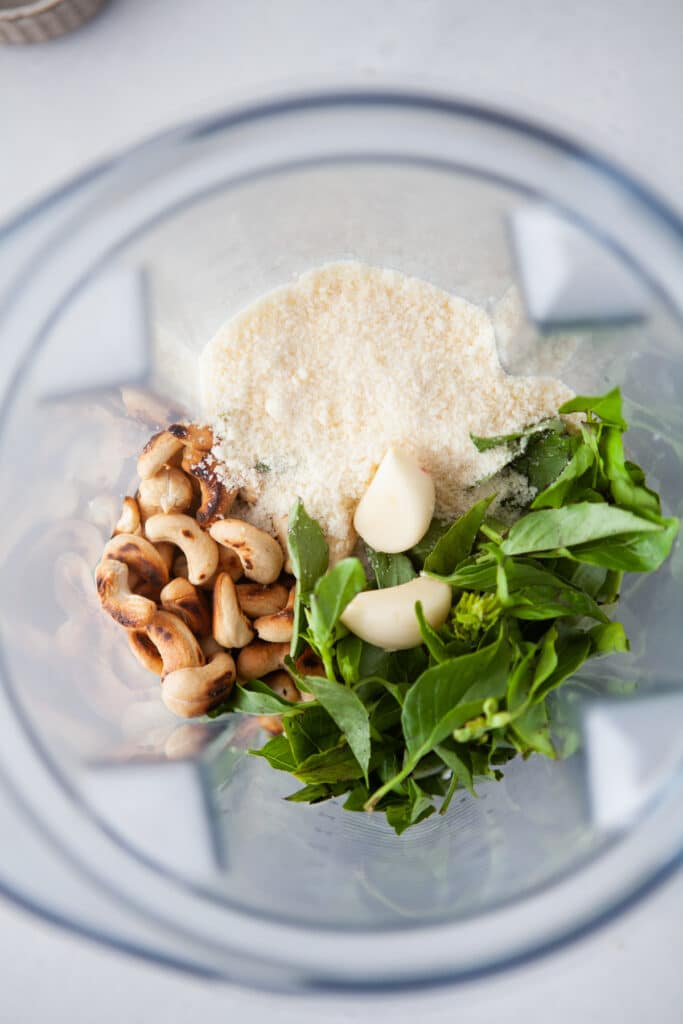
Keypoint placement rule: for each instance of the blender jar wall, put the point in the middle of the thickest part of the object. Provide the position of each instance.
(200, 264)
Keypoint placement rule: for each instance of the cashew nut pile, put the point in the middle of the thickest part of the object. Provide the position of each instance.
(203, 597)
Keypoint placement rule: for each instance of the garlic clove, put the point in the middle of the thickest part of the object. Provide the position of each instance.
(386, 618)
(397, 508)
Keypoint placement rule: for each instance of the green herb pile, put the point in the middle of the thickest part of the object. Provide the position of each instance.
(400, 732)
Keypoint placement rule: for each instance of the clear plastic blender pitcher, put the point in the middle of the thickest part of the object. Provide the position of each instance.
(164, 837)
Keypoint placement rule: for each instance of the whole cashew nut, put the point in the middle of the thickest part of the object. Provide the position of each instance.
(260, 658)
(281, 526)
(281, 684)
(230, 627)
(199, 549)
(160, 451)
(216, 499)
(167, 553)
(227, 562)
(145, 651)
(260, 554)
(128, 609)
(258, 599)
(129, 519)
(139, 555)
(277, 628)
(169, 490)
(309, 664)
(272, 724)
(192, 435)
(189, 692)
(177, 645)
(183, 599)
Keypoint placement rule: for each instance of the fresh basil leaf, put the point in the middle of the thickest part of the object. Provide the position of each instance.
(608, 639)
(457, 757)
(547, 660)
(572, 650)
(607, 407)
(348, 652)
(390, 570)
(544, 458)
(484, 444)
(552, 602)
(556, 494)
(308, 549)
(424, 547)
(338, 764)
(278, 754)
(627, 492)
(258, 699)
(385, 714)
(584, 576)
(415, 808)
(633, 552)
(330, 597)
(456, 544)
(309, 556)
(356, 799)
(348, 712)
(533, 730)
(611, 584)
(433, 642)
(310, 729)
(550, 529)
(434, 704)
(312, 794)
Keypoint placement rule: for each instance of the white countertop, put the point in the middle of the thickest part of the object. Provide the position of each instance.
(609, 73)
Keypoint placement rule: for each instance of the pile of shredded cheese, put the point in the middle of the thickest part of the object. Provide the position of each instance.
(308, 387)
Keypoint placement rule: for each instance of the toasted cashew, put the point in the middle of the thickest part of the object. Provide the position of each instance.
(189, 692)
(281, 684)
(193, 435)
(199, 549)
(167, 552)
(145, 651)
(216, 499)
(182, 598)
(160, 451)
(281, 527)
(277, 628)
(271, 723)
(230, 627)
(209, 646)
(179, 567)
(169, 490)
(309, 664)
(176, 643)
(129, 520)
(260, 554)
(139, 555)
(260, 658)
(261, 598)
(227, 562)
(130, 610)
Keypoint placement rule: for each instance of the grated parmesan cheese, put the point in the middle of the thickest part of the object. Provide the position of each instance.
(308, 387)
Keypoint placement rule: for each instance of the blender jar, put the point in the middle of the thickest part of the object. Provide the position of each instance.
(163, 836)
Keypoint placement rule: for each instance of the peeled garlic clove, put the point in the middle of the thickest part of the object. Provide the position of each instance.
(386, 618)
(397, 508)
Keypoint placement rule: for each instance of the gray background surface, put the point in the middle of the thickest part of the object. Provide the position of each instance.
(608, 72)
